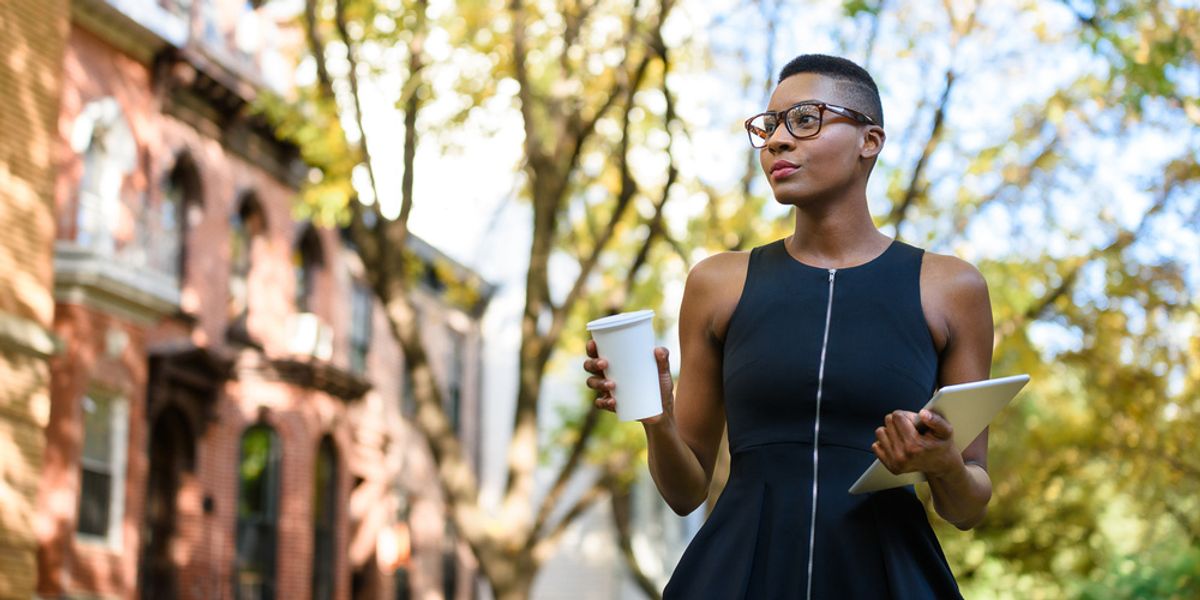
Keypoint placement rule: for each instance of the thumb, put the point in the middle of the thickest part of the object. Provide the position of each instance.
(665, 383)
(937, 424)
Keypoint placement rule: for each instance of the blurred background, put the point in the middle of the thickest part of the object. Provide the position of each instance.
(293, 292)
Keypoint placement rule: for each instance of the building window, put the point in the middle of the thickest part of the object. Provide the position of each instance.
(247, 226)
(450, 562)
(454, 378)
(103, 139)
(102, 468)
(325, 503)
(306, 261)
(408, 394)
(258, 512)
(361, 323)
(179, 215)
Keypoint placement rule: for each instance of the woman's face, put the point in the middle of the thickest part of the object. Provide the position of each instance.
(803, 170)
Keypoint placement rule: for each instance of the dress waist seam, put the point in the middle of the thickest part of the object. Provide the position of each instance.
(824, 443)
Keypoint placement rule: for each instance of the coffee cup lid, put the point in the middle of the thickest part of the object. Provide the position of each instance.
(620, 320)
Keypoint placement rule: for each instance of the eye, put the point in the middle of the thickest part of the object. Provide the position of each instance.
(804, 118)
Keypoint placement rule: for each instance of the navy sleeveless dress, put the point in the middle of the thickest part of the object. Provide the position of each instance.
(813, 360)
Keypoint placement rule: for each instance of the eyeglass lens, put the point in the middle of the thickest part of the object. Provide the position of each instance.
(801, 121)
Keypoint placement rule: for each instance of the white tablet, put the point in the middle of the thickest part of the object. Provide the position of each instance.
(968, 406)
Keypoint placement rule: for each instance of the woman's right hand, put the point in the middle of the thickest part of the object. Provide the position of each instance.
(604, 387)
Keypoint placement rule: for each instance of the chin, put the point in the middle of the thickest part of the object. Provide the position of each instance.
(795, 198)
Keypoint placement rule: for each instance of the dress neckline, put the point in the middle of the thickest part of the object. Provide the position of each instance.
(782, 242)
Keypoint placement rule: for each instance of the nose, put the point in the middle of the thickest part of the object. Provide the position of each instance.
(780, 140)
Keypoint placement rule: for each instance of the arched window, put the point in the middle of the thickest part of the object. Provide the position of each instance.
(450, 561)
(179, 214)
(307, 260)
(246, 226)
(362, 319)
(325, 503)
(258, 513)
(102, 137)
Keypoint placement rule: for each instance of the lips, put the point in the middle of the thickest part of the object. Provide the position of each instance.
(782, 168)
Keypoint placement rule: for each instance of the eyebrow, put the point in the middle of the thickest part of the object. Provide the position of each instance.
(791, 104)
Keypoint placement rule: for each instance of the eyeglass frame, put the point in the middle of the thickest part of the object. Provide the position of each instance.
(850, 113)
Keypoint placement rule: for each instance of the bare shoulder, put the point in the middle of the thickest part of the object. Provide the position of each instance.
(952, 276)
(954, 297)
(713, 289)
(718, 268)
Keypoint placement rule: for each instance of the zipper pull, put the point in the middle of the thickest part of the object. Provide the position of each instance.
(831, 272)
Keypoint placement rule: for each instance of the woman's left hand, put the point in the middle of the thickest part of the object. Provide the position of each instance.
(902, 449)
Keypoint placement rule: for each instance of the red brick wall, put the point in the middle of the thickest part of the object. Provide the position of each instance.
(31, 49)
(66, 564)
(373, 441)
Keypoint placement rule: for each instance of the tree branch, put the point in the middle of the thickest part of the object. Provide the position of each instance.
(316, 46)
(590, 420)
(1022, 178)
(621, 510)
(541, 547)
(364, 147)
(916, 182)
(625, 196)
(533, 150)
(1038, 310)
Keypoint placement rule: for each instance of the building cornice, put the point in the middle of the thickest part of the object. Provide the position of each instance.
(138, 28)
(140, 295)
(302, 372)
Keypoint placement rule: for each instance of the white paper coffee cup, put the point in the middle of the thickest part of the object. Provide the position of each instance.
(626, 341)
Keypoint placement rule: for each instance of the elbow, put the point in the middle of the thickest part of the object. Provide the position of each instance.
(684, 506)
(684, 509)
(972, 522)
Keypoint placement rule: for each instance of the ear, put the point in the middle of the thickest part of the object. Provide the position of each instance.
(872, 141)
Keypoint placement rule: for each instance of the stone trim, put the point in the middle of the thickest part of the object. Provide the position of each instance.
(27, 337)
(302, 372)
(140, 295)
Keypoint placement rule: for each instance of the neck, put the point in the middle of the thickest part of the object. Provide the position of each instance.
(836, 231)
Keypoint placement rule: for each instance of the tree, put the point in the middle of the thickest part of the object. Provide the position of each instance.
(579, 67)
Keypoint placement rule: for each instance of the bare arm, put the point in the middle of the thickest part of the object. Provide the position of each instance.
(960, 312)
(683, 442)
(962, 492)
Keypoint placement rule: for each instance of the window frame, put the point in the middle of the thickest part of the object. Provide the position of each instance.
(119, 452)
(326, 523)
(273, 474)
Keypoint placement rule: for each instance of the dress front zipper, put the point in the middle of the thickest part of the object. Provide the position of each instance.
(812, 524)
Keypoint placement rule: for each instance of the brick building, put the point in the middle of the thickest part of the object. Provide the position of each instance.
(227, 414)
(31, 49)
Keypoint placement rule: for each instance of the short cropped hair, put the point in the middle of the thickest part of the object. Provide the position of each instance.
(852, 79)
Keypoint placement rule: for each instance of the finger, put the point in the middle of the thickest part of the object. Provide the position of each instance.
(590, 346)
(595, 366)
(598, 384)
(905, 425)
(877, 448)
(662, 357)
(606, 403)
(883, 456)
(891, 438)
(937, 424)
(883, 440)
(666, 385)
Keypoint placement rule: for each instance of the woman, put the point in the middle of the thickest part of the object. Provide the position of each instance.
(814, 351)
